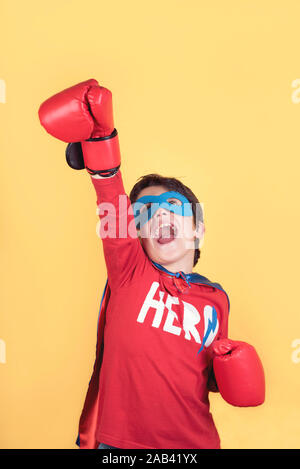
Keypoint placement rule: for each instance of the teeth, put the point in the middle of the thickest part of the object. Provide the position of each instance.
(156, 233)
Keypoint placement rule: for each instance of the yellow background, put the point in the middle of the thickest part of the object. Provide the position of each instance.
(203, 91)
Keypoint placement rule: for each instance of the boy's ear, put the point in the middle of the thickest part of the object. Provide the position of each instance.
(199, 233)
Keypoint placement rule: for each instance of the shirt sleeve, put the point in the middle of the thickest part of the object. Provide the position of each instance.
(122, 249)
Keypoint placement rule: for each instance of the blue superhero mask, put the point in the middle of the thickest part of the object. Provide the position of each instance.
(145, 207)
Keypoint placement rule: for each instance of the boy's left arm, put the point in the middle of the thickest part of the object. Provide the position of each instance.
(238, 372)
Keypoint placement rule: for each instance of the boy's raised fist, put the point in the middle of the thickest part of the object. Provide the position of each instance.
(82, 116)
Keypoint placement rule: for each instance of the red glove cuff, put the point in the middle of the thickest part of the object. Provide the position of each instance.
(101, 153)
(98, 155)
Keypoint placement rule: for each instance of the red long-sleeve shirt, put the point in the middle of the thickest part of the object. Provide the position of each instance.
(153, 387)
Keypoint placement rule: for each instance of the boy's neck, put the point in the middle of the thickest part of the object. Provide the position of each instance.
(182, 265)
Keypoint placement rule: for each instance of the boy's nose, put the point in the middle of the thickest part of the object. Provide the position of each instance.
(161, 211)
(163, 215)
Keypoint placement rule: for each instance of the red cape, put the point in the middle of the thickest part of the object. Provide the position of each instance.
(88, 420)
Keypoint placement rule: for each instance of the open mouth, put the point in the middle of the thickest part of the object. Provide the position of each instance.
(165, 233)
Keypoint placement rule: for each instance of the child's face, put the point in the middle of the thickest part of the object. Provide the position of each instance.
(168, 237)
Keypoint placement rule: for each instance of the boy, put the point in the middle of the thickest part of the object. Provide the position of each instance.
(157, 318)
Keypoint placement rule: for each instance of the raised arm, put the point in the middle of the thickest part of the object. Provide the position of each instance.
(83, 116)
(122, 249)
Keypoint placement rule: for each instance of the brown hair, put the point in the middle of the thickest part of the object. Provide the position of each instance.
(172, 184)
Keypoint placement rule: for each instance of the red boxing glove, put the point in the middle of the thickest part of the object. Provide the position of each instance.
(239, 373)
(83, 116)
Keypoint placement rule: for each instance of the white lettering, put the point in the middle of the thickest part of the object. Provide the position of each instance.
(191, 316)
(168, 326)
(150, 302)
